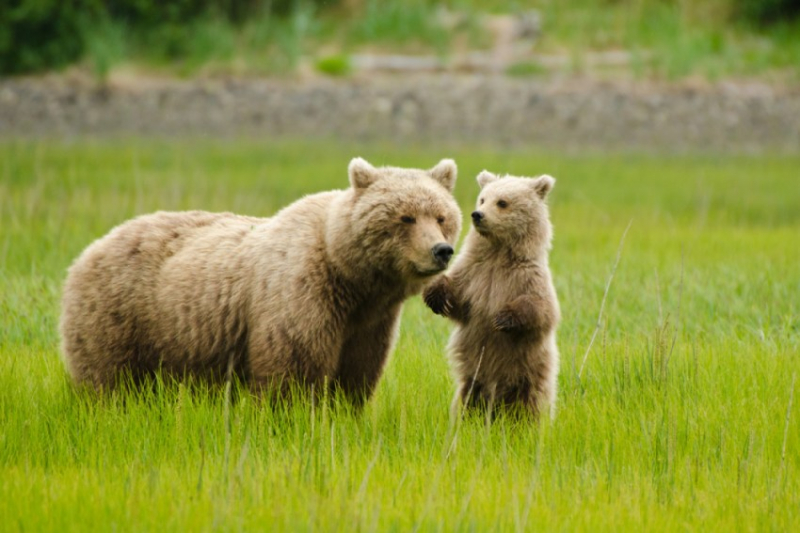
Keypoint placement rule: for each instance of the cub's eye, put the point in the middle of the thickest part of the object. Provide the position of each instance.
(502, 204)
(481, 201)
(405, 219)
(440, 220)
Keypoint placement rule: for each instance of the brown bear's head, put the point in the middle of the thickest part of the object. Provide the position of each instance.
(404, 220)
(512, 210)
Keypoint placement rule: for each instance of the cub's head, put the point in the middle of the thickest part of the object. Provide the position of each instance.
(513, 210)
(405, 221)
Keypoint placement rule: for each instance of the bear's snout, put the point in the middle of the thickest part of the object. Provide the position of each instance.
(442, 252)
(477, 216)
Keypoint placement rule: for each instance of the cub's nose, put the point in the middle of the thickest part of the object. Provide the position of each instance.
(477, 216)
(442, 252)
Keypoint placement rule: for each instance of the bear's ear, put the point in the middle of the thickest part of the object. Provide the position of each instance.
(543, 185)
(485, 178)
(361, 173)
(445, 172)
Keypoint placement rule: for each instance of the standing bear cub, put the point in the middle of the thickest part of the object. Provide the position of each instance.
(307, 297)
(501, 296)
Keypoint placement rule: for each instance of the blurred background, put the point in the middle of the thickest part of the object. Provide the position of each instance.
(640, 74)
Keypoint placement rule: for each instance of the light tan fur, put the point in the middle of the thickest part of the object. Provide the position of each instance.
(500, 294)
(311, 295)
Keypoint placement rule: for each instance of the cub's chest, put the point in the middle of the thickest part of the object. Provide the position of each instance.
(488, 287)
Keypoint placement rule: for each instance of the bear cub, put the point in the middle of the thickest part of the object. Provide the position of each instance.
(500, 295)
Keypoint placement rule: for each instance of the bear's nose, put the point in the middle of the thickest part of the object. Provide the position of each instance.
(442, 252)
(477, 216)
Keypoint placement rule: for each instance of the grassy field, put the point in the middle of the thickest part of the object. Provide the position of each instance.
(686, 415)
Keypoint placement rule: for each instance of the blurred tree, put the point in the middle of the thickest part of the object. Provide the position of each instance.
(45, 34)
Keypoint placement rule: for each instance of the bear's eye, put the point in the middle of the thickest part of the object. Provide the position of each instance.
(481, 201)
(440, 220)
(502, 204)
(405, 219)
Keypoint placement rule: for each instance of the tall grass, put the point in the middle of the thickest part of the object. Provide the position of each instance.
(668, 39)
(681, 419)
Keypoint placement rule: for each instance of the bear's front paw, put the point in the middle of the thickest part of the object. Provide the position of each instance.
(437, 297)
(506, 320)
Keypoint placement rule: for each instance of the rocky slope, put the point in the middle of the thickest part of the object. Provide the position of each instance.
(571, 113)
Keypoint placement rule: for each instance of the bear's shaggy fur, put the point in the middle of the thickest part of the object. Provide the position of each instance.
(309, 296)
(501, 296)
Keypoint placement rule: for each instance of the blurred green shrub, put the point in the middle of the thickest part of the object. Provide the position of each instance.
(335, 65)
(763, 12)
(41, 34)
(45, 34)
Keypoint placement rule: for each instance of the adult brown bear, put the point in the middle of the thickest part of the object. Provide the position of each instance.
(309, 296)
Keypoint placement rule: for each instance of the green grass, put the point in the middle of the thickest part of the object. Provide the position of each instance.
(679, 421)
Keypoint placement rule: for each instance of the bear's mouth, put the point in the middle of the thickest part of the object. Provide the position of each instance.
(481, 228)
(429, 271)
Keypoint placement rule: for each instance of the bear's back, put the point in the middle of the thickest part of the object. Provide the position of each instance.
(116, 286)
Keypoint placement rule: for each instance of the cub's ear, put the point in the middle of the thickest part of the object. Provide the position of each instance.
(485, 178)
(445, 172)
(361, 173)
(543, 185)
